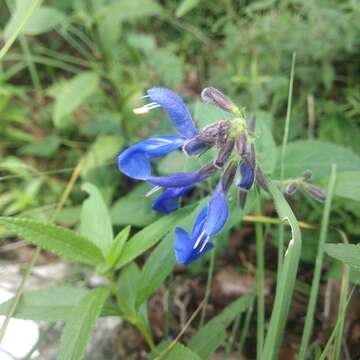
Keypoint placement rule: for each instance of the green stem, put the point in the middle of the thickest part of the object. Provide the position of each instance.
(342, 311)
(169, 305)
(309, 320)
(230, 342)
(245, 331)
(208, 286)
(260, 274)
(282, 160)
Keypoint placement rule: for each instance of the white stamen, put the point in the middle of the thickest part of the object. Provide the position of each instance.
(146, 108)
(144, 97)
(204, 244)
(152, 191)
(199, 239)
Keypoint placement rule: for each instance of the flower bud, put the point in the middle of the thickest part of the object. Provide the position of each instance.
(307, 175)
(224, 153)
(292, 188)
(242, 198)
(242, 144)
(195, 147)
(228, 176)
(316, 193)
(252, 123)
(216, 97)
(261, 179)
(211, 133)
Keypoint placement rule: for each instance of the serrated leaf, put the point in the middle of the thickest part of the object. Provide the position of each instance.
(73, 93)
(52, 304)
(43, 20)
(95, 222)
(134, 208)
(63, 242)
(78, 328)
(317, 157)
(212, 335)
(347, 253)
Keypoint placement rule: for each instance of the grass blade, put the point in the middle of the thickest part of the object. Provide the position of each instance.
(287, 277)
(318, 266)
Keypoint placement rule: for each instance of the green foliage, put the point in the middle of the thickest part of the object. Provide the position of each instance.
(212, 335)
(51, 304)
(61, 241)
(79, 326)
(347, 253)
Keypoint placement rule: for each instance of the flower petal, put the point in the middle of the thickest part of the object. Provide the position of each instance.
(217, 213)
(168, 201)
(195, 146)
(176, 108)
(135, 160)
(245, 176)
(184, 247)
(182, 179)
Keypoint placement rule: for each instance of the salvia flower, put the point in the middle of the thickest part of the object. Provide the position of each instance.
(235, 145)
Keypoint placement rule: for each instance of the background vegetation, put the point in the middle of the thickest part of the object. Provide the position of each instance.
(77, 69)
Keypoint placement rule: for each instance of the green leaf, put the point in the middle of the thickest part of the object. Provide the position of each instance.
(347, 253)
(44, 148)
(177, 352)
(135, 9)
(95, 222)
(22, 8)
(348, 185)
(105, 148)
(186, 6)
(161, 262)
(134, 208)
(50, 304)
(78, 328)
(73, 93)
(150, 235)
(128, 285)
(43, 20)
(117, 246)
(287, 278)
(63, 242)
(212, 335)
(317, 157)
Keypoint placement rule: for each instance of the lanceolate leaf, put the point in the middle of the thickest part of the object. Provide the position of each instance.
(63, 242)
(150, 235)
(79, 326)
(212, 335)
(95, 219)
(287, 278)
(51, 304)
(347, 253)
(161, 261)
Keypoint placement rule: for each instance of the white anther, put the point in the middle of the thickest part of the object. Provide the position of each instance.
(146, 108)
(204, 244)
(199, 239)
(152, 191)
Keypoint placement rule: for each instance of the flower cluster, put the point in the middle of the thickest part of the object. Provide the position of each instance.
(235, 159)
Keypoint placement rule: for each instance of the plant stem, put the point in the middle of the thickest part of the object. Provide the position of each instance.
(245, 331)
(169, 305)
(208, 286)
(282, 160)
(260, 275)
(234, 330)
(318, 266)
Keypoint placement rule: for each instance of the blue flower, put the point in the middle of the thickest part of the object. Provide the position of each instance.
(168, 201)
(208, 223)
(245, 176)
(135, 161)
